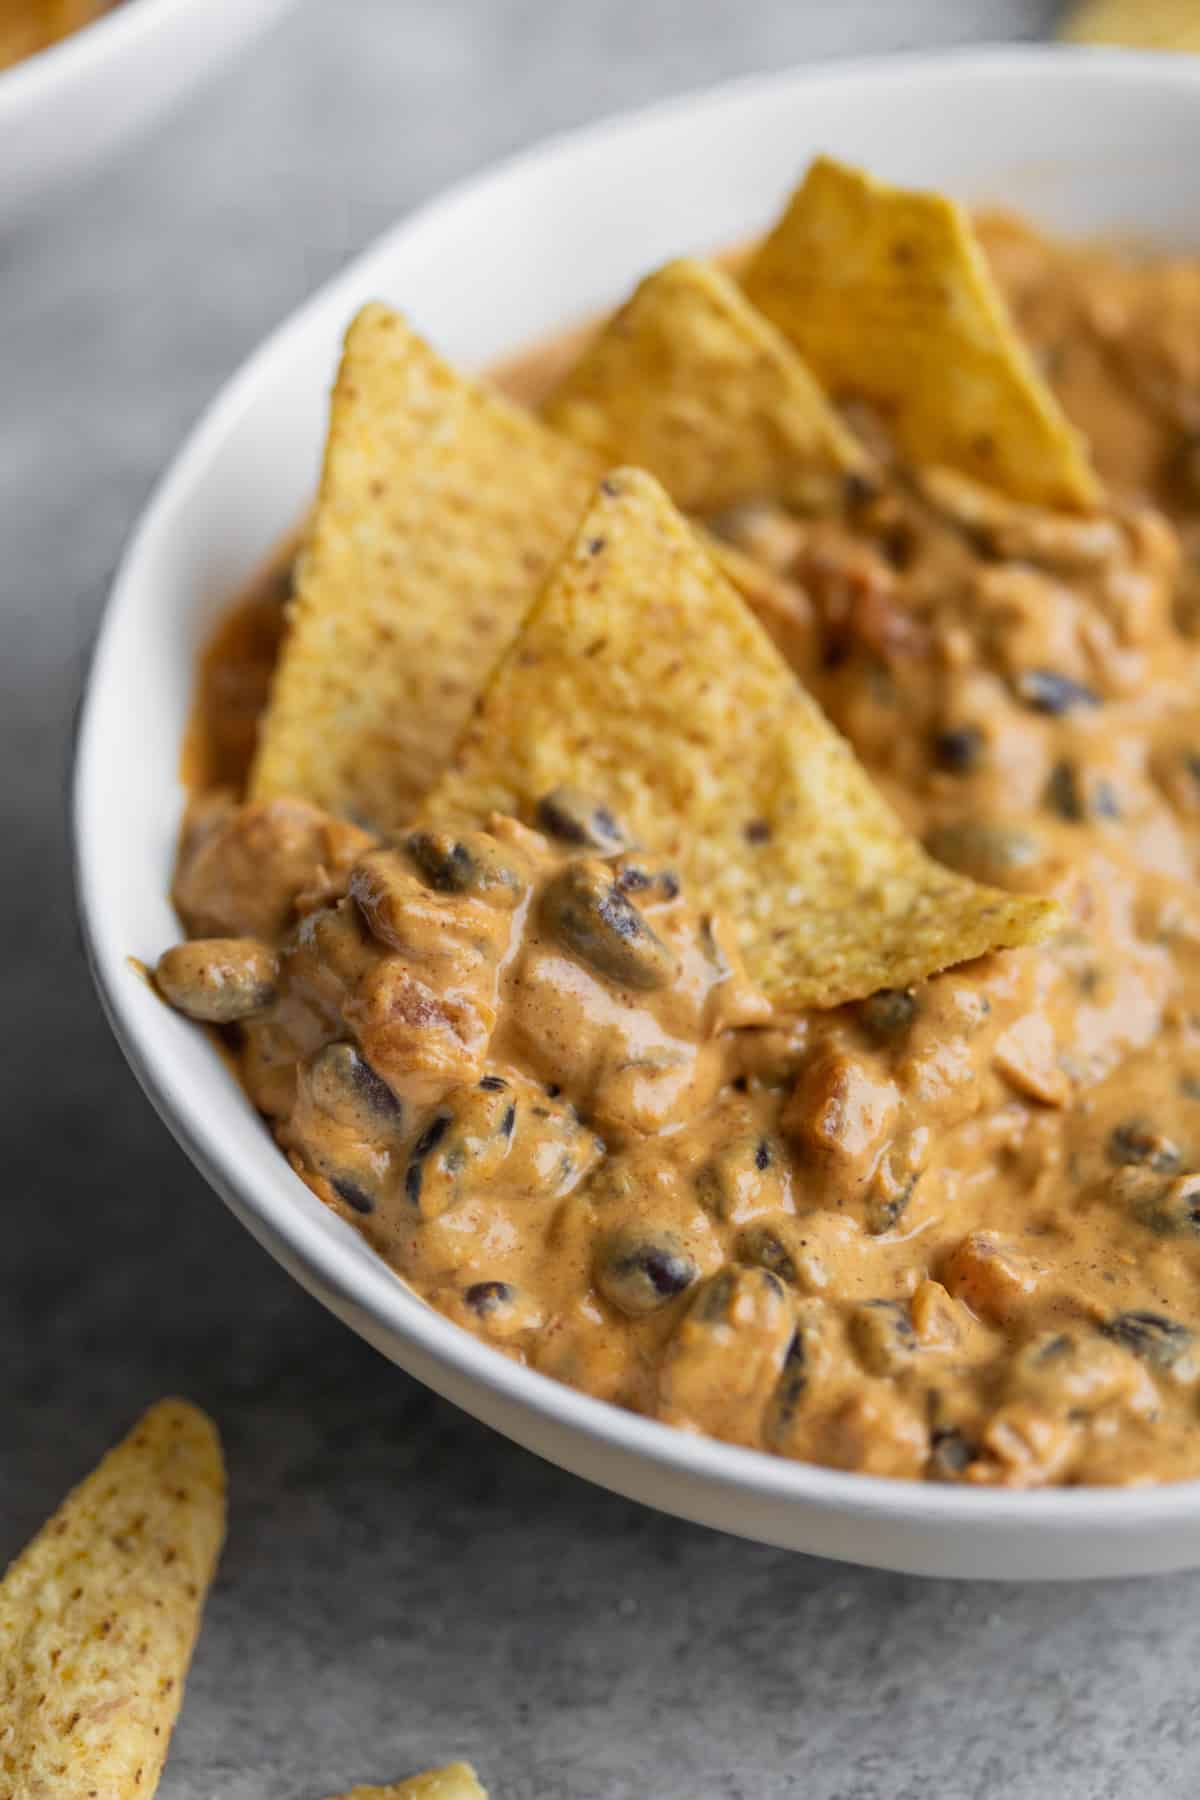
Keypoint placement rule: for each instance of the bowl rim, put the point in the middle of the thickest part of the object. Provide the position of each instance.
(368, 1287)
(24, 84)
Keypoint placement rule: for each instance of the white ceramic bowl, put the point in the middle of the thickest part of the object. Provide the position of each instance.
(1083, 141)
(65, 109)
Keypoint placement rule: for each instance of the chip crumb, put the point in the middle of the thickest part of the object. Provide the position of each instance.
(691, 382)
(99, 1615)
(457, 1781)
(887, 295)
(691, 726)
(441, 508)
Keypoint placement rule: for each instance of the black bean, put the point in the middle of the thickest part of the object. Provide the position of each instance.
(426, 1144)
(350, 1191)
(790, 1387)
(1136, 1142)
(432, 1136)
(745, 1174)
(489, 1296)
(883, 1335)
(1172, 1208)
(580, 819)
(470, 864)
(342, 1081)
(762, 1246)
(729, 1294)
(1046, 691)
(509, 1121)
(984, 848)
(219, 981)
(493, 1084)
(590, 916)
(640, 1270)
(883, 1212)
(887, 1015)
(960, 750)
(1150, 1335)
(1064, 794)
(950, 1452)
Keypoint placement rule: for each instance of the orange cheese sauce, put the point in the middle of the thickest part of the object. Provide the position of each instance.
(948, 1233)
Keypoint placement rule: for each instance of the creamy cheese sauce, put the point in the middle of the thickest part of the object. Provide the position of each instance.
(952, 1232)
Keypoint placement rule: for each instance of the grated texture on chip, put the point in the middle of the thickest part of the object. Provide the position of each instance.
(641, 677)
(441, 507)
(689, 381)
(457, 1781)
(99, 1615)
(887, 295)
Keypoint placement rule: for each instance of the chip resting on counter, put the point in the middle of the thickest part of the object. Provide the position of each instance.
(440, 510)
(1142, 24)
(99, 1616)
(457, 1781)
(887, 295)
(639, 675)
(690, 381)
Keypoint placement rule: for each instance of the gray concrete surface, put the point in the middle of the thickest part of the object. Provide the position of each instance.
(400, 1585)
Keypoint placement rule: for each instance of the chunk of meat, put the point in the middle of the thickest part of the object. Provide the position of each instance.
(242, 870)
(992, 1276)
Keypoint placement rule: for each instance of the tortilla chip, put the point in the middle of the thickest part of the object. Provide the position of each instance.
(1144, 24)
(640, 676)
(457, 1781)
(99, 1615)
(887, 295)
(441, 508)
(689, 381)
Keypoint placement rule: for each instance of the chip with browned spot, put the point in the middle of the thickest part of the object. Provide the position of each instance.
(887, 295)
(99, 1615)
(690, 381)
(440, 510)
(641, 677)
(457, 1781)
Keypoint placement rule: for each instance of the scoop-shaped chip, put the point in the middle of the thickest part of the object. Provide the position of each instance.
(689, 381)
(640, 676)
(441, 507)
(99, 1615)
(457, 1781)
(1144, 24)
(887, 295)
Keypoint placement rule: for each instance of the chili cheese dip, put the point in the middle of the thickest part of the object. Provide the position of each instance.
(945, 1229)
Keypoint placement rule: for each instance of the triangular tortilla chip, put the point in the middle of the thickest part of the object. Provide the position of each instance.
(99, 1614)
(689, 381)
(1143, 24)
(640, 676)
(441, 508)
(887, 295)
(457, 1781)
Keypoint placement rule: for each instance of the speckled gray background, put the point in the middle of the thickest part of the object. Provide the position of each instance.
(400, 1585)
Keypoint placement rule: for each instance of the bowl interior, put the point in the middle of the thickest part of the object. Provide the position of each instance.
(1084, 142)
